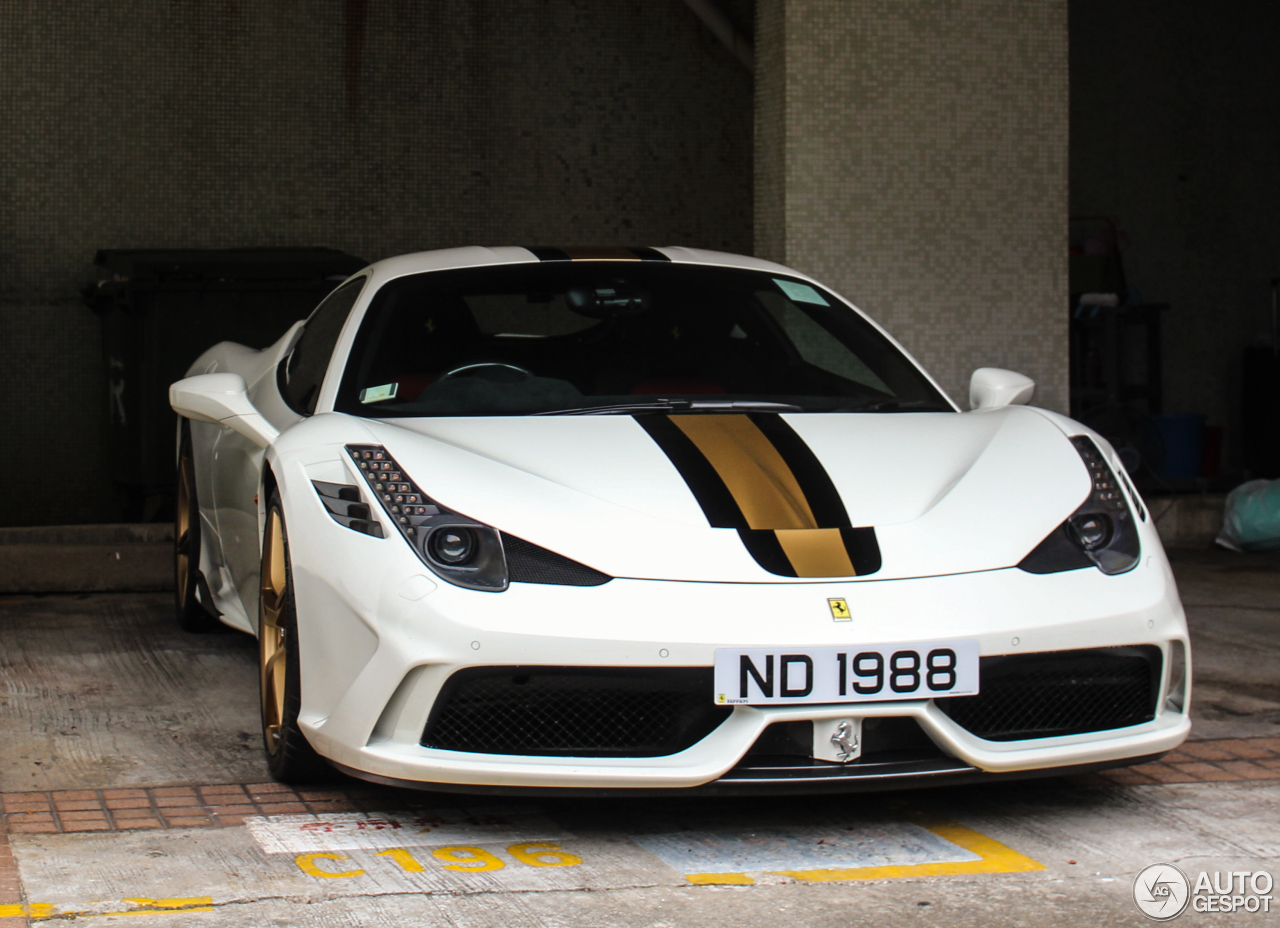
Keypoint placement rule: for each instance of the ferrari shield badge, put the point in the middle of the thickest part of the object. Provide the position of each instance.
(840, 610)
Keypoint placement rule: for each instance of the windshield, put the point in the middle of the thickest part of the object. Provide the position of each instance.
(575, 338)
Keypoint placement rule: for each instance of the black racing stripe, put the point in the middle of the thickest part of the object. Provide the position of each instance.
(722, 511)
(824, 500)
(821, 494)
(648, 254)
(704, 483)
(762, 544)
(546, 253)
(863, 549)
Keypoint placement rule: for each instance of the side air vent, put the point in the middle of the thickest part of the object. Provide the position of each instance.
(347, 508)
(528, 563)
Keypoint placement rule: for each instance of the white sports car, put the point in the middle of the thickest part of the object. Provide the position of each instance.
(601, 519)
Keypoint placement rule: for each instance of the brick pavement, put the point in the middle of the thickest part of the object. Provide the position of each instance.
(97, 810)
(1221, 761)
(65, 811)
(10, 885)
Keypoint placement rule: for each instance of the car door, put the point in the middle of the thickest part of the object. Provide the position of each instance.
(296, 380)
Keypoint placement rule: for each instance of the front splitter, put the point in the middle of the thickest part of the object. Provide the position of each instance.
(779, 780)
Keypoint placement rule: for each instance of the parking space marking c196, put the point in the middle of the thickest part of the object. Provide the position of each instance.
(460, 857)
(991, 857)
(350, 831)
(307, 864)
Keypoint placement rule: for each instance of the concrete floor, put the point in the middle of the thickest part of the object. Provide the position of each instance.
(103, 688)
(101, 691)
(1233, 611)
(1091, 842)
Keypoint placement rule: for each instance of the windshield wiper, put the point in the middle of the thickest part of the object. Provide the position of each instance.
(676, 406)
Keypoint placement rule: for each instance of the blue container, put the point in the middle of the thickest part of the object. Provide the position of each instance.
(1183, 435)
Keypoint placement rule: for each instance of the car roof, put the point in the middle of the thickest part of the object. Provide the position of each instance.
(482, 256)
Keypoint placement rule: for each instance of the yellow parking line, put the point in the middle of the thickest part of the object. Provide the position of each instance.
(157, 906)
(39, 911)
(996, 858)
(34, 910)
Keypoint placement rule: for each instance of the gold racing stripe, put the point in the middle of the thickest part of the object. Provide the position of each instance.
(816, 552)
(767, 492)
(600, 254)
(758, 478)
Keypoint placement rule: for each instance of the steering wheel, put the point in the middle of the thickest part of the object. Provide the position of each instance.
(470, 367)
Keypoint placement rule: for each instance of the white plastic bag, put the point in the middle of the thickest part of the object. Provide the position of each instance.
(1251, 521)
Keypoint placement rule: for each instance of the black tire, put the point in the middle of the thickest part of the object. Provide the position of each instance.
(191, 615)
(290, 757)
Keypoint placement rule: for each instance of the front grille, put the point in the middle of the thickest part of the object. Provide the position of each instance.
(574, 711)
(1060, 693)
(528, 563)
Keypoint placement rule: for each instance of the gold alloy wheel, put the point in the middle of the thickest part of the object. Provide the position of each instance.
(271, 633)
(182, 547)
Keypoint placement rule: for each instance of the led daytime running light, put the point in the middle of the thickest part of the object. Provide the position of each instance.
(419, 518)
(404, 502)
(1114, 551)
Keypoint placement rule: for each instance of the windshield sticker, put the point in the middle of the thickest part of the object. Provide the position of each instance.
(378, 394)
(800, 293)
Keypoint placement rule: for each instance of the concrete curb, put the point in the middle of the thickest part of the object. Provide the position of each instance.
(1191, 521)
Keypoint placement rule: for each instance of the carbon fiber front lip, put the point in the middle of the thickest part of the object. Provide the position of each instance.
(824, 773)
(948, 773)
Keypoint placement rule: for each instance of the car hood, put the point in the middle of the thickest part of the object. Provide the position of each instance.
(944, 493)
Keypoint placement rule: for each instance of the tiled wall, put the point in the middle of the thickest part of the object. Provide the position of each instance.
(217, 123)
(913, 155)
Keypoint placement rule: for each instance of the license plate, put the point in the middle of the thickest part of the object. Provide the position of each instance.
(858, 673)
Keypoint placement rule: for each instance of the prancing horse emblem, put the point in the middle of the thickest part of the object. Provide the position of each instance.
(846, 741)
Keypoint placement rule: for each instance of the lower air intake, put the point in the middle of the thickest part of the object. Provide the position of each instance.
(528, 563)
(574, 712)
(1059, 693)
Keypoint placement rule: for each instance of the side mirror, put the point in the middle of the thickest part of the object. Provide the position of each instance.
(993, 387)
(223, 399)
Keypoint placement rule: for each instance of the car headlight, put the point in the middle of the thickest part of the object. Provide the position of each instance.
(452, 545)
(1101, 533)
(460, 550)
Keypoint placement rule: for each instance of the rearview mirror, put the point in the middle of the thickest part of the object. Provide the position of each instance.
(993, 387)
(222, 399)
(608, 301)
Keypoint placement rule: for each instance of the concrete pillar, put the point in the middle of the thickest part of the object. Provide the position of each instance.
(912, 154)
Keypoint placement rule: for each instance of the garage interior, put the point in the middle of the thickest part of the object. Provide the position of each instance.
(927, 161)
(1082, 191)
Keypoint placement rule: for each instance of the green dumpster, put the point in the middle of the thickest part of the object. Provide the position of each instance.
(160, 309)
